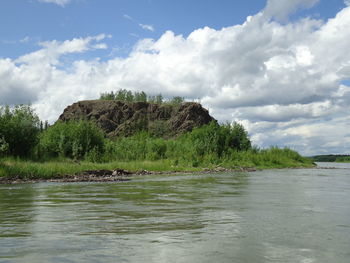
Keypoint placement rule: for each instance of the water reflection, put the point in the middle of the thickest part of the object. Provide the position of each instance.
(134, 207)
(283, 216)
(16, 210)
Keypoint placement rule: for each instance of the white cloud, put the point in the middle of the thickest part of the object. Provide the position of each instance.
(347, 2)
(57, 2)
(283, 81)
(286, 113)
(24, 79)
(147, 27)
(52, 50)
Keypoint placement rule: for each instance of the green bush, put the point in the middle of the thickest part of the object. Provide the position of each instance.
(73, 139)
(156, 149)
(207, 144)
(129, 148)
(19, 130)
(218, 140)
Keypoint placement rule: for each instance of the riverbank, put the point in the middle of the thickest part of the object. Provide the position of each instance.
(20, 171)
(118, 175)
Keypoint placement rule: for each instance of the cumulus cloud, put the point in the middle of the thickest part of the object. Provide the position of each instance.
(282, 81)
(24, 79)
(61, 3)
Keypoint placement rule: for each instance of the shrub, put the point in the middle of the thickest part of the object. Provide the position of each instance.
(129, 148)
(73, 139)
(156, 149)
(219, 139)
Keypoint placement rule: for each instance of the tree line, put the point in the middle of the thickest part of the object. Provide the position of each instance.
(129, 96)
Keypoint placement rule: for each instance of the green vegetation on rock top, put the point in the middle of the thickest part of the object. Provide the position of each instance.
(129, 96)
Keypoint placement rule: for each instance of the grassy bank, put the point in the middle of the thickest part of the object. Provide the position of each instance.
(55, 168)
(264, 159)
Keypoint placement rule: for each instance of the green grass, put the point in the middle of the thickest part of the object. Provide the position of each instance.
(261, 159)
(56, 168)
(268, 159)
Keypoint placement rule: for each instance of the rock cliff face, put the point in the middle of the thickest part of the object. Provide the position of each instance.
(119, 118)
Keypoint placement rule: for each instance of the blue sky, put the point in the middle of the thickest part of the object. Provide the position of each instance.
(27, 22)
(279, 67)
(121, 18)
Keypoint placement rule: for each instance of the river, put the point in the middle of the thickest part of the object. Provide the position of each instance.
(300, 215)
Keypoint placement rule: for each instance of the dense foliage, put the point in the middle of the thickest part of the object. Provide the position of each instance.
(19, 130)
(71, 139)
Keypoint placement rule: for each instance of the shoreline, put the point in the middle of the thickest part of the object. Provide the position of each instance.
(121, 175)
(117, 175)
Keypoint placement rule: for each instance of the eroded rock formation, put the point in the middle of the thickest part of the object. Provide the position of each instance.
(119, 118)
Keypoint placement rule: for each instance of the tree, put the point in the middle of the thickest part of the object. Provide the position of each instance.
(143, 97)
(19, 129)
(159, 99)
(219, 139)
(107, 96)
(237, 137)
(129, 97)
(140, 96)
(121, 95)
(177, 100)
(73, 139)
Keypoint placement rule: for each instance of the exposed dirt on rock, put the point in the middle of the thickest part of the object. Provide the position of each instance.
(119, 118)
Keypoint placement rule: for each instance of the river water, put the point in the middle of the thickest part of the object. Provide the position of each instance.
(298, 215)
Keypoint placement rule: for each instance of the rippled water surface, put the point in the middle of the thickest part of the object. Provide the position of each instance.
(266, 216)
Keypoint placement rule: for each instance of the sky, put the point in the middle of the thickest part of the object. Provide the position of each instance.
(279, 67)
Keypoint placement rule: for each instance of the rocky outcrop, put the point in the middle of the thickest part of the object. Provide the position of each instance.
(119, 118)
